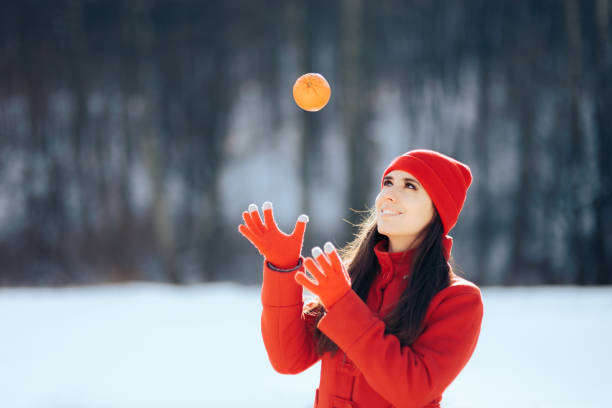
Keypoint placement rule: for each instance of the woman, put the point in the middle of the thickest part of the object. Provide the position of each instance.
(393, 324)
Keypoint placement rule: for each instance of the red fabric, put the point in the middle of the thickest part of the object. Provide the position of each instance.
(445, 179)
(372, 370)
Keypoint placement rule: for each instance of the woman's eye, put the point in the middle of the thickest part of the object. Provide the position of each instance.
(407, 184)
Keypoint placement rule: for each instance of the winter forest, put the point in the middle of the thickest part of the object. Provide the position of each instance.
(134, 133)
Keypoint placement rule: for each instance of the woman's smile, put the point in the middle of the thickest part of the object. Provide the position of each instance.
(389, 213)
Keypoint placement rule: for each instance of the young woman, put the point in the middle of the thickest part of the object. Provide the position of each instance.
(393, 325)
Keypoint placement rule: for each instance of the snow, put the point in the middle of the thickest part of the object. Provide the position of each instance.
(156, 345)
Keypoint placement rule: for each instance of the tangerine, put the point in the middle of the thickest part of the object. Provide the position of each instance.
(311, 92)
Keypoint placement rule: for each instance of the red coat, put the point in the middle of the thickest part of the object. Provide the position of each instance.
(371, 369)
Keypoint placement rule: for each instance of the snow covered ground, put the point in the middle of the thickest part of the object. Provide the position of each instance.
(153, 345)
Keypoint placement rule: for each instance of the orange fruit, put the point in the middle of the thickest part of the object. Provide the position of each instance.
(311, 92)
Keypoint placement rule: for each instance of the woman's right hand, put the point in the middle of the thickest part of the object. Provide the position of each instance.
(278, 248)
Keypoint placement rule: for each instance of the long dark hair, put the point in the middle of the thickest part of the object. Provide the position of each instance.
(430, 274)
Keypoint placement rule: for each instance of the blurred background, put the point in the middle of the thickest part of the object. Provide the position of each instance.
(134, 133)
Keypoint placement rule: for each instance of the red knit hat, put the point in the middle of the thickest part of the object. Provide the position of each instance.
(445, 179)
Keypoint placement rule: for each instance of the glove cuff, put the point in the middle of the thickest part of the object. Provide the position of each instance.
(295, 268)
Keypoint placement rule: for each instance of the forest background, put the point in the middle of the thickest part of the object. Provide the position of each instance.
(134, 133)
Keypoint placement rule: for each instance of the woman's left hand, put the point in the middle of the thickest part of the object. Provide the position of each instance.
(332, 278)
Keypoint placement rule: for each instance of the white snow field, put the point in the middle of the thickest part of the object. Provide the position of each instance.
(155, 345)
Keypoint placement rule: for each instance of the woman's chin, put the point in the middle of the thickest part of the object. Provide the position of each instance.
(384, 230)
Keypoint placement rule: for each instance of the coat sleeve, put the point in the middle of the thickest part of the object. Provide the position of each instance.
(286, 330)
(413, 375)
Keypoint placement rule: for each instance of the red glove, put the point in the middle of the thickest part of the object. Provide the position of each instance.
(280, 249)
(333, 280)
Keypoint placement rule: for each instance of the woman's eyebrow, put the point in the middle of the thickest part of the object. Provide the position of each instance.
(405, 179)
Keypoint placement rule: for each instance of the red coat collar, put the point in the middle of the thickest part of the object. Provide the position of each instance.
(393, 262)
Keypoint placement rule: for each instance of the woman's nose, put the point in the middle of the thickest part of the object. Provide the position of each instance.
(388, 194)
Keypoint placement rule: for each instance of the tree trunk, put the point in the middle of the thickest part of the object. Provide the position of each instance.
(575, 158)
(603, 120)
(355, 99)
(483, 200)
(300, 13)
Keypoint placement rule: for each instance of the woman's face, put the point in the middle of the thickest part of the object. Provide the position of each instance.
(410, 206)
